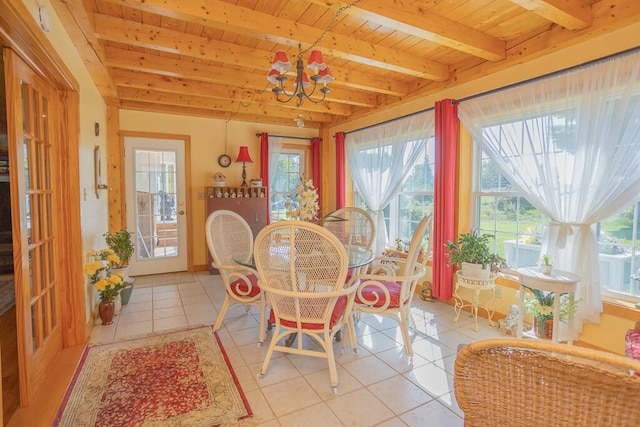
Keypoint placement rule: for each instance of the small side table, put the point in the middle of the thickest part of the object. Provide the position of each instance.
(477, 285)
(559, 282)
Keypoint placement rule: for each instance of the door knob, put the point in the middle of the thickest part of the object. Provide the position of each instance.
(180, 212)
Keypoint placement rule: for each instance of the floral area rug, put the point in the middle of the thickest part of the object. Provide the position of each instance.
(178, 379)
(7, 293)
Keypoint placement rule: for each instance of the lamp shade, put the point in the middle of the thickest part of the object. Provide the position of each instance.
(325, 76)
(281, 62)
(243, 155)
(316, 62)
(272, 76)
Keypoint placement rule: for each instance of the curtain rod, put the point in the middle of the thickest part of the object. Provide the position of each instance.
(259, 134)
(534, 79)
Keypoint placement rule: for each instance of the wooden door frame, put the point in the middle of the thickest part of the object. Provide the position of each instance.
(116, 171)
(20, 34)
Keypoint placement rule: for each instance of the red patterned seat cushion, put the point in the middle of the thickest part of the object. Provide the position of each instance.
(337, 312)
(394, 294)
(241, 285)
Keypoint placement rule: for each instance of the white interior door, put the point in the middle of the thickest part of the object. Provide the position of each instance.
(155, 196)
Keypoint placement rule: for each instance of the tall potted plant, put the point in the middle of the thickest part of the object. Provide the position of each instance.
(121, 244)
(471, 253)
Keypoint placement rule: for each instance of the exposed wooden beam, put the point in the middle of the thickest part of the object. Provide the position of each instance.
(200, 112)
(149, 63)
(571, 14)
(415, 21)
(226, 16)
(202, 102)
(151, 37)
(178, 85)
(76, 21)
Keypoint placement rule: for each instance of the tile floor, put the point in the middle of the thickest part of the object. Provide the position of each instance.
(378, 386)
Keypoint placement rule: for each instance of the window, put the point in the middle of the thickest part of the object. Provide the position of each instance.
(291, 165)
(412, 202)
(518, 228)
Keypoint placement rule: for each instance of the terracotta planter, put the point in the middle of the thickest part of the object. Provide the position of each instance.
(543, 328)
(106, 310)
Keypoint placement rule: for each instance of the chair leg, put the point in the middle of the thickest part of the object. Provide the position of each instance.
(263, 320)
(333, 371)
(404, 328)
(267, 357)
(223, 311)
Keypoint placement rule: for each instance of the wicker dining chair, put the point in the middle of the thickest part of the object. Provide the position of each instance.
(352, 226)
(302, 269)
(516, 382)
(228, 235)
(388, 291)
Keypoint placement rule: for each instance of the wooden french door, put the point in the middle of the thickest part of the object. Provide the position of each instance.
(31, 115)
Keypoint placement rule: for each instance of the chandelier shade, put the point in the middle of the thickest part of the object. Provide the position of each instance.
(281, 62)
(304, 87)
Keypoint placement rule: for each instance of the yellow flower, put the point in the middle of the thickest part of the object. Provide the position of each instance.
(101, 285)
(113, 258)
(92, 267)
(115, 279)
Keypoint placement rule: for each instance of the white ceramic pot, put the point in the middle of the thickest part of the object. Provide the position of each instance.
(546, 269)
(475, 271)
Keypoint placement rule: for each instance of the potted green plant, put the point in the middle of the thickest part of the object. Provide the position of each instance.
(471, 253)
(545, 264)
(121, 244)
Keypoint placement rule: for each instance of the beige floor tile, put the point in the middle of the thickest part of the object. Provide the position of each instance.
(400, 394)
(169, 323)
(432, 414)
(360, 408)
(369, 370)
(162, 313)
(166, 303)
(432, 379)
(128, 330)
(318, 415)
(290, 396)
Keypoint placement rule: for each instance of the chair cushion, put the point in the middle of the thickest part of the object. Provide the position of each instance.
(338, 309)
(394, 294)
(255, 289)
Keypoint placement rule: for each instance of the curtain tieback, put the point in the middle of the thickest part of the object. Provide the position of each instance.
(566, 229)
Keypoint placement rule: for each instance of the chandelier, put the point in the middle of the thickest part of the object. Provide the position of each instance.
(303, 86)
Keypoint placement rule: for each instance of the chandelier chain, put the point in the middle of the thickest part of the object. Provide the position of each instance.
(331, 24)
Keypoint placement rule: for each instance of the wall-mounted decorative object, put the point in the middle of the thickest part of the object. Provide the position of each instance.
(224, 160)
(97, 174)
(218, 180)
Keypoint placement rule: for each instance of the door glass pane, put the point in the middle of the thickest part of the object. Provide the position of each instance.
(24, 88)
(156, 222)
(36, 114)
(26, 166)
(47, 167)
(52, 307)
(31, 280)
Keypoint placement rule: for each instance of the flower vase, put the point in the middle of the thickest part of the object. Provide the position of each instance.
(543, 328)
(106, 310)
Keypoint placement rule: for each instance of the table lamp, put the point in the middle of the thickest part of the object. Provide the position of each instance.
(243, 156)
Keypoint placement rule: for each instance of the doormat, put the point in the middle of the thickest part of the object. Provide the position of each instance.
(177, 379)
(164, 279)
(7, 293)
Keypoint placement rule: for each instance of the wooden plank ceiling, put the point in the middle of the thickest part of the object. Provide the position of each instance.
(211, 58)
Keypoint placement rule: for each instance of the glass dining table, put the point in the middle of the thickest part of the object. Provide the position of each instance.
(359, 257)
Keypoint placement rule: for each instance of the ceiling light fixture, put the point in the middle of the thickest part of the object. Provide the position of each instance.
(299, 121)
(321, 72)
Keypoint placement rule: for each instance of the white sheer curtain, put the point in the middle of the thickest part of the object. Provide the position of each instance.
(380, 158)
(275, 148)
(571, 144)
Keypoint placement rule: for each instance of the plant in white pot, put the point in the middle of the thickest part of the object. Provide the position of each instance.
(121, 244)
(545, 264)
(471, 253)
